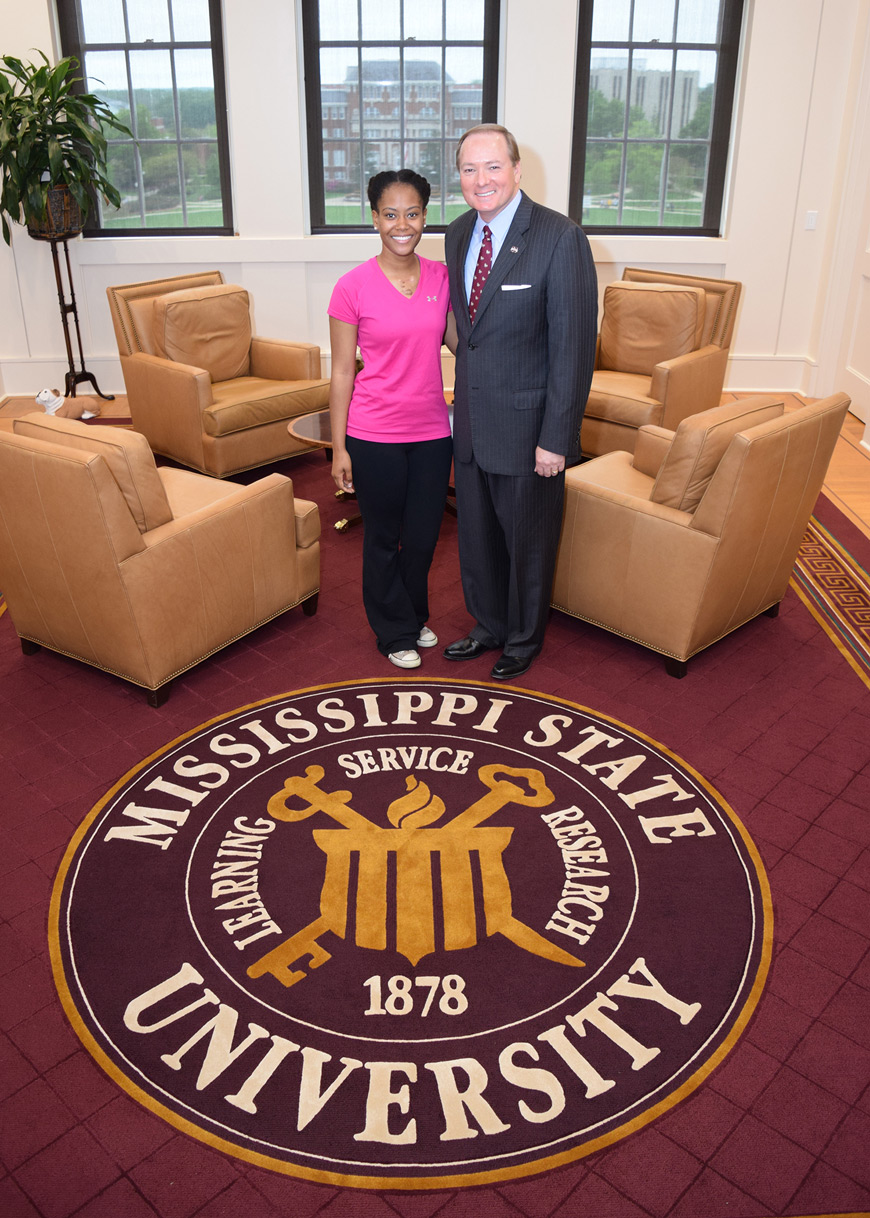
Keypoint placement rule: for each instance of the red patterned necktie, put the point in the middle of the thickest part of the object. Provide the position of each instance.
(481, 271)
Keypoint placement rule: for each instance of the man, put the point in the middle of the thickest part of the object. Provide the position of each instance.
(525, 302)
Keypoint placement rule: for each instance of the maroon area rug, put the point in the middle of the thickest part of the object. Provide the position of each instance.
(411, 934)
(774, 718)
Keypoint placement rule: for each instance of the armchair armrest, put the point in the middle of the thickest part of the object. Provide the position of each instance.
(307, 523)
(166, 404)
(651, 448)
(278, 360)
(689, 384)
(623, 500)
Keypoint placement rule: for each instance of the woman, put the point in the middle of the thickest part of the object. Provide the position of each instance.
(390, 427)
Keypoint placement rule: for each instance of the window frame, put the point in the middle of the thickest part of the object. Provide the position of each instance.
(314, 120)
(728, 48)
(71, 28)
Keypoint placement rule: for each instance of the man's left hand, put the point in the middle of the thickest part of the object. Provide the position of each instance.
(547, 464)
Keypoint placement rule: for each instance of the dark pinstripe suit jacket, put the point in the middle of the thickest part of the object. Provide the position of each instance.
(524, 368)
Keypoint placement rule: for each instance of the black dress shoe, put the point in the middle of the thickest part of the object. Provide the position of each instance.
(465, 649)
(507, 667)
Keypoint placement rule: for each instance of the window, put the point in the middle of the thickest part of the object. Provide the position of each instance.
(159, 66)
(407, 79)
(655, 87)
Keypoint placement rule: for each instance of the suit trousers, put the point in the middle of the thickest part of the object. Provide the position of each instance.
(509, 530)
(401, 491)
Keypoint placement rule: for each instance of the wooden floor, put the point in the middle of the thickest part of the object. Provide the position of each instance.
(847, 482)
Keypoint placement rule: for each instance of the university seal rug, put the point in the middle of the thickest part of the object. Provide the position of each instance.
(410, 934)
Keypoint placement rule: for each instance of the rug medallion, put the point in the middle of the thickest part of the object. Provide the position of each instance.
(410, 934)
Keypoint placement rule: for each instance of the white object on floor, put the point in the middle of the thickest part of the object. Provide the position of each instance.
(428, 638)
(50, 400)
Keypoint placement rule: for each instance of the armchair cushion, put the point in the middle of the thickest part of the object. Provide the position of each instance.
(207, 327)
(126, 453)
(251, 401)
(698, 446)
(645, 324)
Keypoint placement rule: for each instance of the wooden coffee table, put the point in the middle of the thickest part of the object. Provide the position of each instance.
(315, 429)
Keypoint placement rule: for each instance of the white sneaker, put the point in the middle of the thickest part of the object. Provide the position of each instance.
(428, 638)
(404, 659)
(50, 400)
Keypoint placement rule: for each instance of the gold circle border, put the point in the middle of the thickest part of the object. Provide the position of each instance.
(385, 1183)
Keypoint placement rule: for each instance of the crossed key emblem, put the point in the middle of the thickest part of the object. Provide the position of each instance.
(413, 849)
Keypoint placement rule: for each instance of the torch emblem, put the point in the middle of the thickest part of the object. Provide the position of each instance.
(413, 840)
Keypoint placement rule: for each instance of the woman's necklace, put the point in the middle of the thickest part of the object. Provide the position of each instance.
(407, 284)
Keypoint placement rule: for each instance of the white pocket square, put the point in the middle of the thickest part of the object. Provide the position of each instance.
(515, 287)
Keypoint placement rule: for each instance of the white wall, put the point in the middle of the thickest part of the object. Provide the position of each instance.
(792, 129)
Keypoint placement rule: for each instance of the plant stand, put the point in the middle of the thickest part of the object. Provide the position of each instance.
(75, 376)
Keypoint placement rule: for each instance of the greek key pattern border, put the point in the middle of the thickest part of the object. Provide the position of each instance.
(837, 589)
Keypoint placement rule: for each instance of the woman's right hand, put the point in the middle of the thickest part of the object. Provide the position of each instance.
(342, 471)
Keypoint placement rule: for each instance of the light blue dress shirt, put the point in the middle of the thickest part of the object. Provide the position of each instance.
(499, 228)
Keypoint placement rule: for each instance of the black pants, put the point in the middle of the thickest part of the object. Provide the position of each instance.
(401, 490)
(508, 542)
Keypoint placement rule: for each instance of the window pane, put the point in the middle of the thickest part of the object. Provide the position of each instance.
(423, 100)
(607, 86)
(693, 94)
(650, 93)
(643, 184)
(698, 21)
(106, 75)
(151, 72)
(380, 102)
(195, 85)
(161, 185)
(428, 162)
(423, 21)
(379, 155)
(603, 173)
(148, 19)
(464, 20)
(124, 172)
(381, 19)
(464, 68)
(653, 20)
(339, 20)
(610, 21)
(103, 21)
(338, 69)
(687, 174)
(202, 184)
(190, 21)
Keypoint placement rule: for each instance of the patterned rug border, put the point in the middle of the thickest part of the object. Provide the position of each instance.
(835, 588)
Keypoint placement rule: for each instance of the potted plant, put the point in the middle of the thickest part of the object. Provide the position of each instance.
(52, 148)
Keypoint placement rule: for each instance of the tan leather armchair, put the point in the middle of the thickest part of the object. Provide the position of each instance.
(201, 387)
(661, 356)
(139, 571)
(697, 532)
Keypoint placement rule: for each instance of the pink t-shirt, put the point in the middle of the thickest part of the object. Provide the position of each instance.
(398, 395)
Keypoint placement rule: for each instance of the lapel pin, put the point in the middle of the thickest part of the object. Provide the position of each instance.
(514, 249)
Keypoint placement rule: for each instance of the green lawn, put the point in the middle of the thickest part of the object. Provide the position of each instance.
(684, 215)
(339, 210)
(201, 215)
